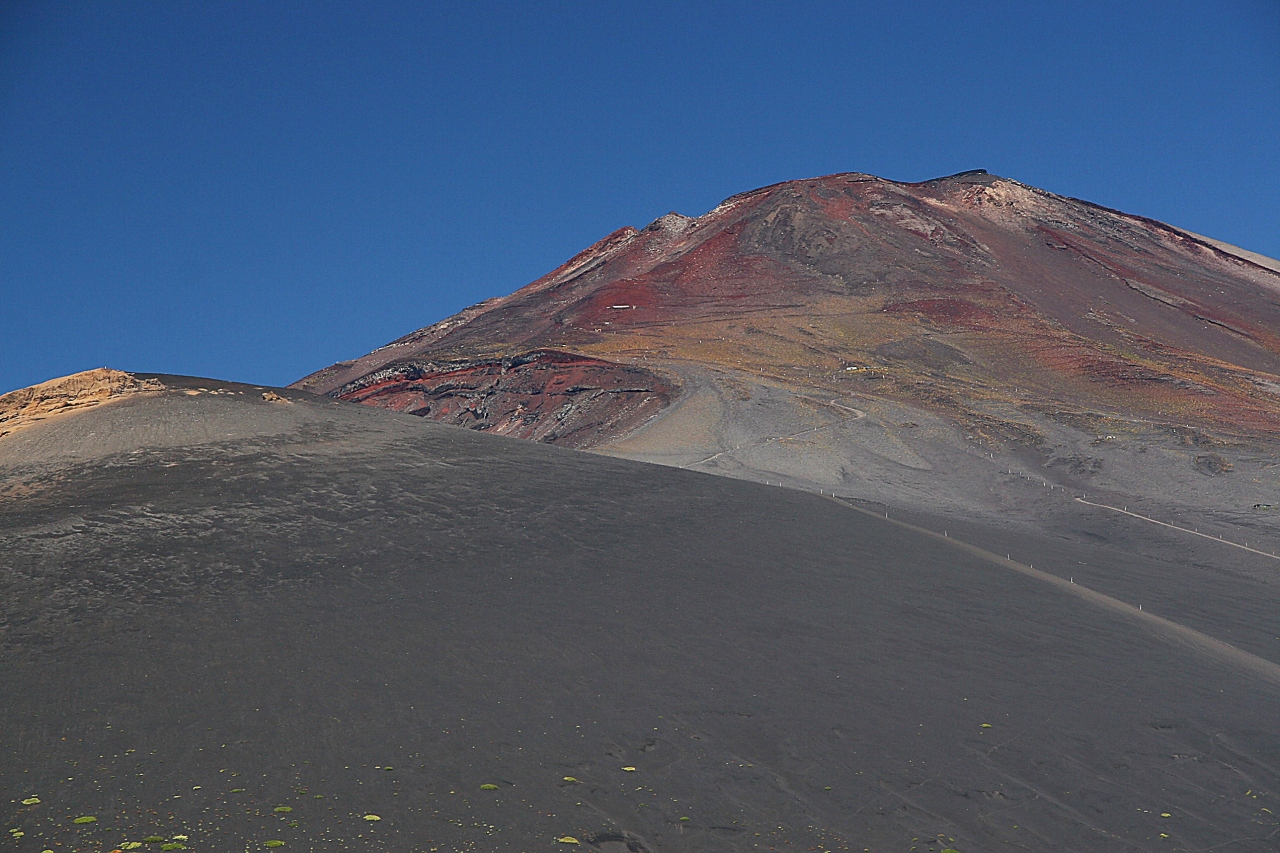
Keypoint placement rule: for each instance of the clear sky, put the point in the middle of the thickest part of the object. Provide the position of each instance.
(253, 190)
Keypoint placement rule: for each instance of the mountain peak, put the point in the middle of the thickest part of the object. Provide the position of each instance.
(957, 295)
(671, 223)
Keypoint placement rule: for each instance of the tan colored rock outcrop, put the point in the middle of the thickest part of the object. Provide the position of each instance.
(76, 392)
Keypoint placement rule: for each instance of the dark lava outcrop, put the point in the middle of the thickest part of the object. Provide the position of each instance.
(548, 396)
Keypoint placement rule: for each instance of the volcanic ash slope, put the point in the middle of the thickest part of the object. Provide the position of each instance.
(235, 615)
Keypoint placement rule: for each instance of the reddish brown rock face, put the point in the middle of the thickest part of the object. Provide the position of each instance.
(1054, 303)
(543, 396)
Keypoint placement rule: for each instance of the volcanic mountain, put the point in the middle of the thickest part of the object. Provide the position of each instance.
(860, 335)
(235, 617)
(1025, 598)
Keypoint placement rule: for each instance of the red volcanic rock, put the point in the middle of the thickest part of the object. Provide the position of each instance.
(959, 313)
(544, 396)
(1054, 302)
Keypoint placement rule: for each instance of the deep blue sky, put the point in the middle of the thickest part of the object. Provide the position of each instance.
(254, 190)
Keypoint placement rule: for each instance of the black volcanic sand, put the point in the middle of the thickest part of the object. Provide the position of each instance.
(333, 613)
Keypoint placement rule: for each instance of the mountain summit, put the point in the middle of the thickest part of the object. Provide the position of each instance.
(1003, 318)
